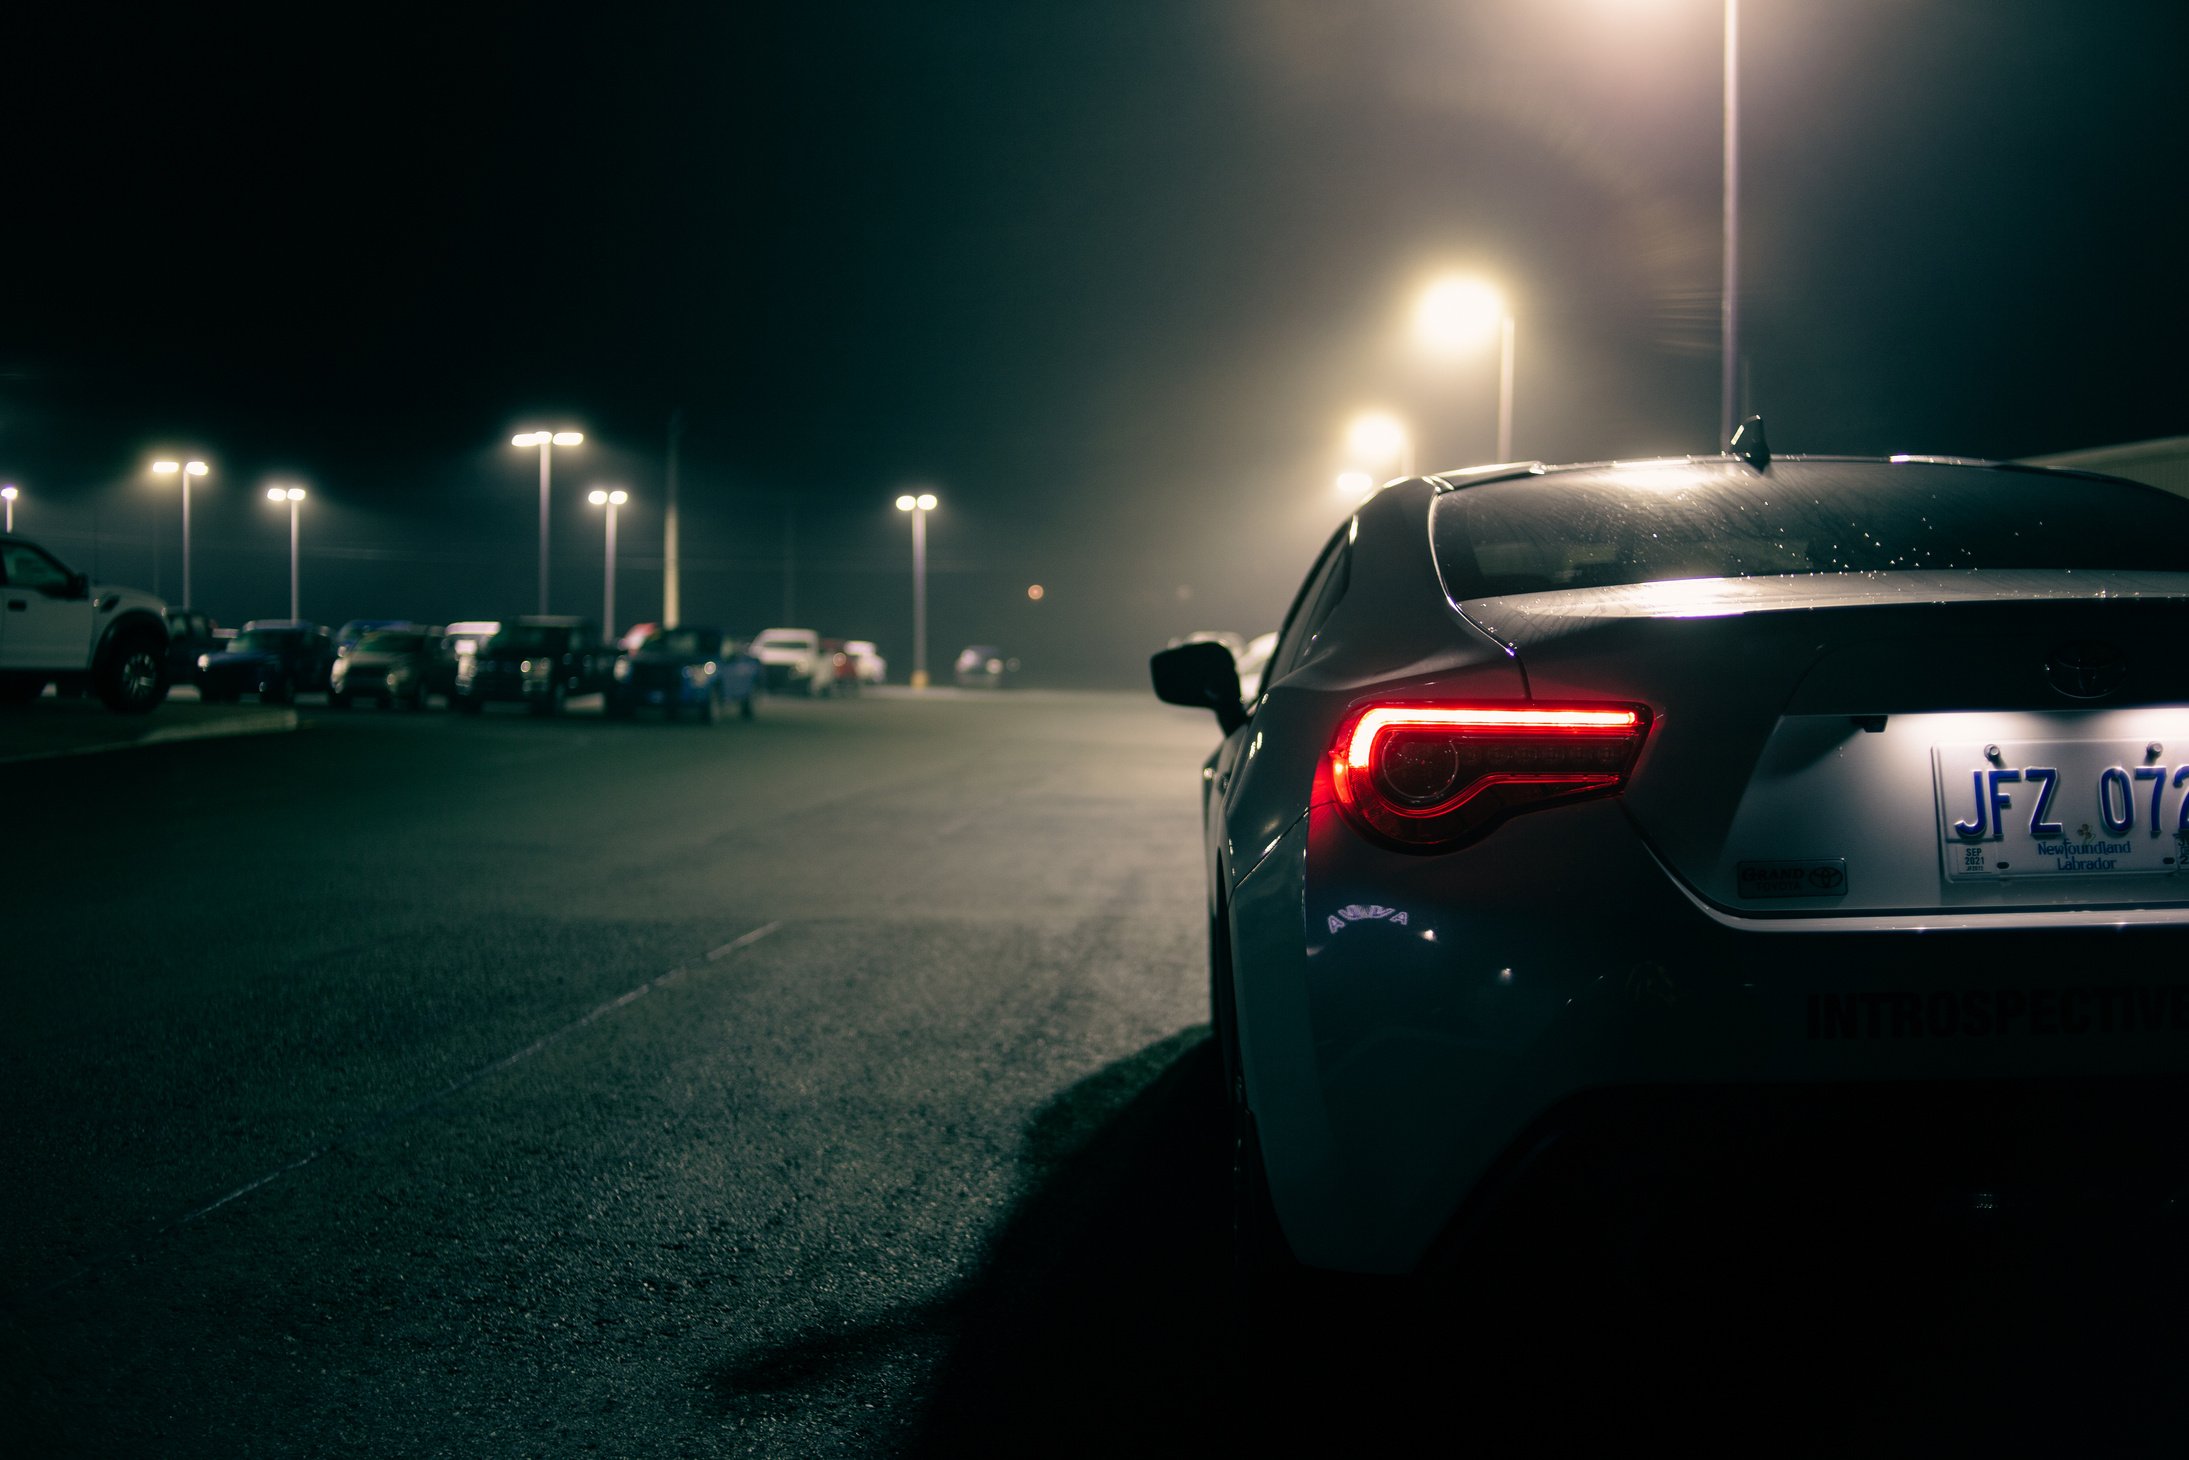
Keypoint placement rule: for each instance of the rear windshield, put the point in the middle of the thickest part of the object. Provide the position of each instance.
(1612, 526)
(684, 643)
(265, 641)
(529, 639)
(391, 642)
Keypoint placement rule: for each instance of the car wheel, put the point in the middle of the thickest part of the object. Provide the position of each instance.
(710, 708)
(275, 692)
(549, 704)
(20, 691)
(217, 696)
(468, 704)
(616, 708)
(132, 677)
(338, 699)
(745, 706)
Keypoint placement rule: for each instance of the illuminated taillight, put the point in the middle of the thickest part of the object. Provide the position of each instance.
(1429, 777)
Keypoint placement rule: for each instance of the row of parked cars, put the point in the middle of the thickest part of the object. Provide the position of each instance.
(538, 661)
(126, 647)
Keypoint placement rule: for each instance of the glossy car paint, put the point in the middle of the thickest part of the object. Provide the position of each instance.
(1406, 1020)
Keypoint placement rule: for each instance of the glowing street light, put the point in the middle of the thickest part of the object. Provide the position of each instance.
(1459, 314)
(8, 494)
(1378, 436)
(611, 499)
(186, 470)
(919, 506)
(294, 496)
(546, 441)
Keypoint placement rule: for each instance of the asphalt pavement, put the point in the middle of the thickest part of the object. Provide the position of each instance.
(836, 1083)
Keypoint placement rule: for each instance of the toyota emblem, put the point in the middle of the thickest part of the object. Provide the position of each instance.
(2087, 669)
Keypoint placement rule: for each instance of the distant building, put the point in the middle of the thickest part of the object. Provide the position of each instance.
(2162, 463)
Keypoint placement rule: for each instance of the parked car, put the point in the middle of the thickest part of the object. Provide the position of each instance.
(189, 634)
(984, 666)
(792, 661)
(843, 670)
(458, 641)
(385, 665)
(686, 668)
(538, 662)
(1615, 798)
(58, 628)
(872, 668)
(1253, 662)
(347, 636)
(275, 659)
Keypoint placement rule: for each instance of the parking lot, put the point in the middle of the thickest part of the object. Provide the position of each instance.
(836, 1083)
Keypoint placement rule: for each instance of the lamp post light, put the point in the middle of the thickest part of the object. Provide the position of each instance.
(611, 500)
(919, 506)
(8, 494)
(1378, 436)
(294, 496)
(186, 470)
(1454, 316)
(546, 441)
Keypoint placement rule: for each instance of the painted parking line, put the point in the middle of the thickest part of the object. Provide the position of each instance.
(367, 1130)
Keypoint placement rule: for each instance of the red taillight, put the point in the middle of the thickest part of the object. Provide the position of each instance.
(1429, 777)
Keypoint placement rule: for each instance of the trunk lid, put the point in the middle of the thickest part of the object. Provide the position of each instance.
(1832, 744)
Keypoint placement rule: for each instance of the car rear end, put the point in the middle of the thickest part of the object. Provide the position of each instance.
(1830, 776)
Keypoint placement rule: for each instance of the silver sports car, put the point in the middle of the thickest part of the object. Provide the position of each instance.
(1572, 787)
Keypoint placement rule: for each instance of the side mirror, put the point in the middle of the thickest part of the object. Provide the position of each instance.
(1203, 676)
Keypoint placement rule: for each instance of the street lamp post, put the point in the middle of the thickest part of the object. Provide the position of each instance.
(1454, 316)
(919, 506)
(546, 441)
(611, 500)
(294, 496)
(1729, 304)
(8, 495)
(186, 470)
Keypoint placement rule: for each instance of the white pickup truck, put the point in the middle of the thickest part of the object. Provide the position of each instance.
(58, 627)
(792, 663)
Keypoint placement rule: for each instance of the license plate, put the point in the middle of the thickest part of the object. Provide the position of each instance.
(2052, 808)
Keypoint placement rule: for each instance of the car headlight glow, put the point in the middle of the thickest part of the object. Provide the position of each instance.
(622, 669)
(205, 661)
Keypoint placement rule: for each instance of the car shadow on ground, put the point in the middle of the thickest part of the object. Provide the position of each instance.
(1823, 1289)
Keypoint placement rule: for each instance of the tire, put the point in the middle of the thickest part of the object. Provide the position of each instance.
(418, 697)
(14, 691)
(469, 705)
(132, 677)
(338, 699)
(217, 696)
(616, 708)
(710, 708)
(548, 705)
(745, 706)
(277, 693)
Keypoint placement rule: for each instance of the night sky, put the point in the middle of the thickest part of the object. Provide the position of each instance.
(1108, 277)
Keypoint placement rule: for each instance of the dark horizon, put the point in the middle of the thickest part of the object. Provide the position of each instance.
(1109, 281)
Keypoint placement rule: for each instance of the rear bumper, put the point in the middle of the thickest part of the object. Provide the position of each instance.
(1406, 1021)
